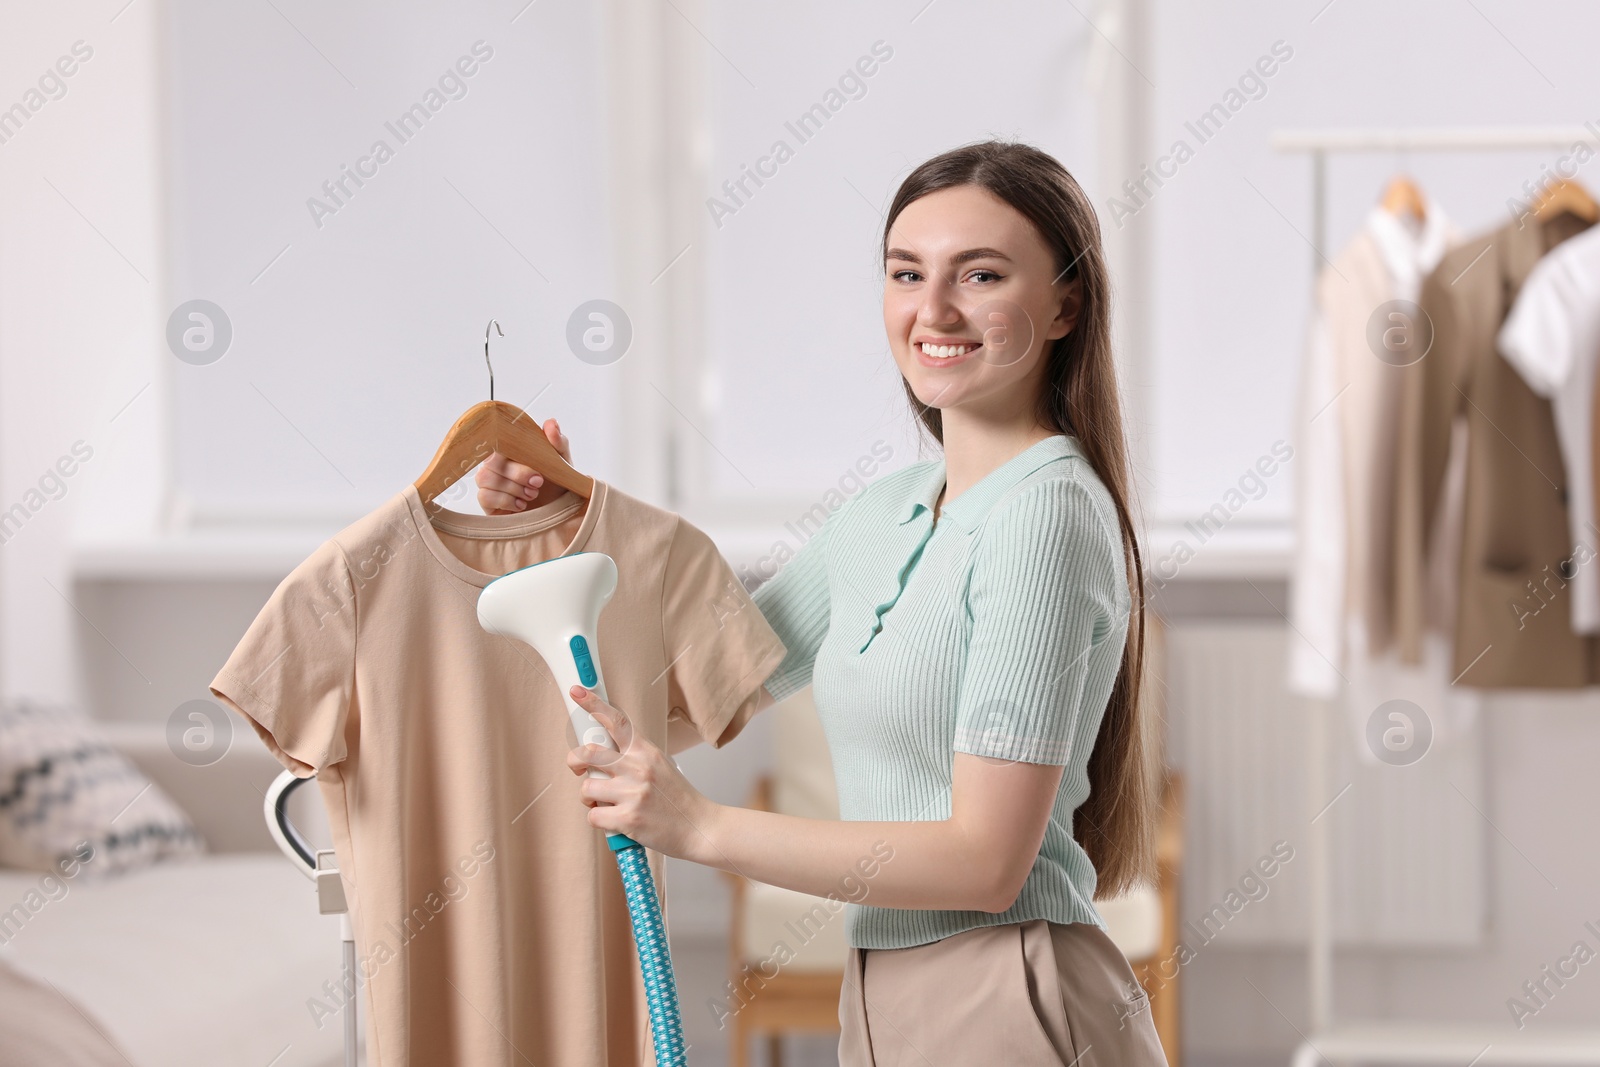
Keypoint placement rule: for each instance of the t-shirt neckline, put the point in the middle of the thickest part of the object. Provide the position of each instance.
(500, 527)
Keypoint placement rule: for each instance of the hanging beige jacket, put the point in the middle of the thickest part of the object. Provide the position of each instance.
(1511, 627)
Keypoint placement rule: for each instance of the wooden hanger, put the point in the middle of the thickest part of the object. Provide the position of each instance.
(495, 426)
(1563, 197)
(1402, 197)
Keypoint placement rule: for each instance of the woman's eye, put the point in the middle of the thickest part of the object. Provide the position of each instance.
(977, 275)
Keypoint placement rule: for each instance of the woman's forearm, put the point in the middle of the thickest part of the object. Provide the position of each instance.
(977, 859)
(887, 864)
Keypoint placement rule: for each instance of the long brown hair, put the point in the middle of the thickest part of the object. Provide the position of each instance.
(1116, 824)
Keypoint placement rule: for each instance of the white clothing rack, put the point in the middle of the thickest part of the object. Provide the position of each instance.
(1400, 1041)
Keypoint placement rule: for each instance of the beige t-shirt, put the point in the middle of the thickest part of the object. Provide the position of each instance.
(491, 925)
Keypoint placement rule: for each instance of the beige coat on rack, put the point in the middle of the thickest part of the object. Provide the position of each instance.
(1514, 534)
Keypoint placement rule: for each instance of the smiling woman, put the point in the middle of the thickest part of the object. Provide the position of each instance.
(972, 628)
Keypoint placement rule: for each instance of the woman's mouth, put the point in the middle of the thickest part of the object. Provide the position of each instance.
(932, 355)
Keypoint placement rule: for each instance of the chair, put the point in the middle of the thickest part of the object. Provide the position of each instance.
(803, 995)
(1144, 923)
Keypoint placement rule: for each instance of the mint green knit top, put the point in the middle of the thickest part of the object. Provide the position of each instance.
(996, 631)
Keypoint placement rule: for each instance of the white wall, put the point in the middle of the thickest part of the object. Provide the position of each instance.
(1231, 258)
(355, 350)
(379, 308)
(82, 271)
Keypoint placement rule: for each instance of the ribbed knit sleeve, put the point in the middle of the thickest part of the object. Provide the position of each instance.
(796, 606)
(1049, 610)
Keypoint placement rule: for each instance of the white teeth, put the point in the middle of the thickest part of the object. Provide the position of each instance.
(946, 351)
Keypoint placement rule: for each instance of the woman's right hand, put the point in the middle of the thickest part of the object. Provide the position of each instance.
(505, 488)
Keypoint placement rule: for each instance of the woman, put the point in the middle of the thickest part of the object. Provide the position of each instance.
(967, 626)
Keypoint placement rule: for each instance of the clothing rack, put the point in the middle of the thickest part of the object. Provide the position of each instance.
(1480, 1045)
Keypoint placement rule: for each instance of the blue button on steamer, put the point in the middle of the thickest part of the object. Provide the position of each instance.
(580, 656)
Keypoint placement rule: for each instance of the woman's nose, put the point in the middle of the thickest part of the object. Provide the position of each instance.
(939, 306)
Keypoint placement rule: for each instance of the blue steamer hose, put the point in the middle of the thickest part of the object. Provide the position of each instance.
(655, 959)
(555, 607)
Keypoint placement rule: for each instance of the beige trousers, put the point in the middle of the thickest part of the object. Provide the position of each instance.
(1023, 993)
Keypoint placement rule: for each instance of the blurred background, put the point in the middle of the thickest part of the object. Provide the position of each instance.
(230, 325)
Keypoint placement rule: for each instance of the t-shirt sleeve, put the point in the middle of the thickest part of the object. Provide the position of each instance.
(719, 648)
(293, 673)
(796, 604)
(1538, 338)
(1049, 608)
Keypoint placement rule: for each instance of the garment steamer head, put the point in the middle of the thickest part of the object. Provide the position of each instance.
(555, 607)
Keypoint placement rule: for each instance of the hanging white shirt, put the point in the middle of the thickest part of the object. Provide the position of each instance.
(1552, 338)
(1343, 573)
(1344, 477)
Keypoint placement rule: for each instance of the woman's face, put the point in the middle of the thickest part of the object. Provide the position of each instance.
(971, 300)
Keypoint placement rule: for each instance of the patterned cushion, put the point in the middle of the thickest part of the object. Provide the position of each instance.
(68, 798)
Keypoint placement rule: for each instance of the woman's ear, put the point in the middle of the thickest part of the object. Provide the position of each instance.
(1071, 307)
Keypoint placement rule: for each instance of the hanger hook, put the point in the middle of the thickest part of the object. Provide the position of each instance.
(494, 324)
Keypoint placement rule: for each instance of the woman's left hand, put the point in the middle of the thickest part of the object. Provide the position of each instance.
(646, 797)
